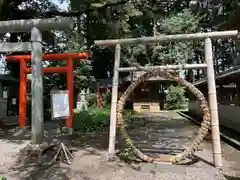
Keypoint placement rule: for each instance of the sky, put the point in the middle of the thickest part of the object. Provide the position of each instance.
(63, 6)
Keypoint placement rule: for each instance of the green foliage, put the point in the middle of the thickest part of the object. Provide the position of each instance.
(3, 178)
(127, 153)
(92, 120)
(169, 52)
(106, 99)
(83, 75)
(92, 100)
(182, 22)
(107, 96)
(95, 120)
(177, 52)
(175, 98)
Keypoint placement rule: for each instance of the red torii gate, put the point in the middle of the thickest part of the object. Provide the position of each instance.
(24, 70)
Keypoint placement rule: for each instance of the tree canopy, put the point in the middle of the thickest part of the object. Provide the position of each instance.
(111, 19)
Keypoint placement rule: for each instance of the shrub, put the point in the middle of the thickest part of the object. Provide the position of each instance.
(107, 96)
(95, 120)
(92, 100)
(92, 120)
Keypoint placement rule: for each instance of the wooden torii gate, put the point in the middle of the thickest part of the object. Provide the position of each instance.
(24, 70)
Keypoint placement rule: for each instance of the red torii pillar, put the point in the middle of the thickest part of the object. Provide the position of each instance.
(24, 70)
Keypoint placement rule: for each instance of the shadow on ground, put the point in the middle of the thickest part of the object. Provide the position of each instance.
(231, 177)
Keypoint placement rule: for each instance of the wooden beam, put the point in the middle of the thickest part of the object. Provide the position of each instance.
(49, 70)
(50, 57)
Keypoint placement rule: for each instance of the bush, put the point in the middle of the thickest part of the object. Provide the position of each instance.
(107, 96)
(92, 100)
(92, 120)
(175, 98)
(95, 120)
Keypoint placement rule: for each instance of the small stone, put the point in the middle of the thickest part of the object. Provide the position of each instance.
(121, 164)
(135, 167)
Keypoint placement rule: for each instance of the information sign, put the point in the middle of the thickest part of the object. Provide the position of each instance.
(60, 104)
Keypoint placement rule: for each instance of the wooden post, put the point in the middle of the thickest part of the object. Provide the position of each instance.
(113, 117)
(71, 94)
(22, 94)
(37, 87)
(217, 155)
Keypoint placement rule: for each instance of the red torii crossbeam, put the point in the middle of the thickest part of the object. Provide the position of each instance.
(24, 70)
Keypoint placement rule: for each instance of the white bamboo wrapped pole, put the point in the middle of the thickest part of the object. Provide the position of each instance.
(113, 116)
(167, 38)
(217, 154)
(165, 67)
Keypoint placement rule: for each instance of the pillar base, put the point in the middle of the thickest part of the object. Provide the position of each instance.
(70, 131)
(112, 157)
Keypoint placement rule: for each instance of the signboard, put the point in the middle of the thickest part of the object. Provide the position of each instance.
(14, 101)
(5, 94)
(60, 104)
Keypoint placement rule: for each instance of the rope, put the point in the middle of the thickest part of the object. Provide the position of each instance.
(203, 131)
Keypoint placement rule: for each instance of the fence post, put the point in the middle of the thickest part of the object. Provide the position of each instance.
(217, 155)
(113, 117)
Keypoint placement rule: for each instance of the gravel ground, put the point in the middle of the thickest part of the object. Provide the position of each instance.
(96, 167)
(9, 152)
(166, 133)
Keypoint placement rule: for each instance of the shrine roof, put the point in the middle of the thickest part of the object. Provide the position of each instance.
(107, 82)
(228, 76)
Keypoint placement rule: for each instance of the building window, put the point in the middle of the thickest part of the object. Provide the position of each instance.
(144, 90)
(5, 92)
(145, 107)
